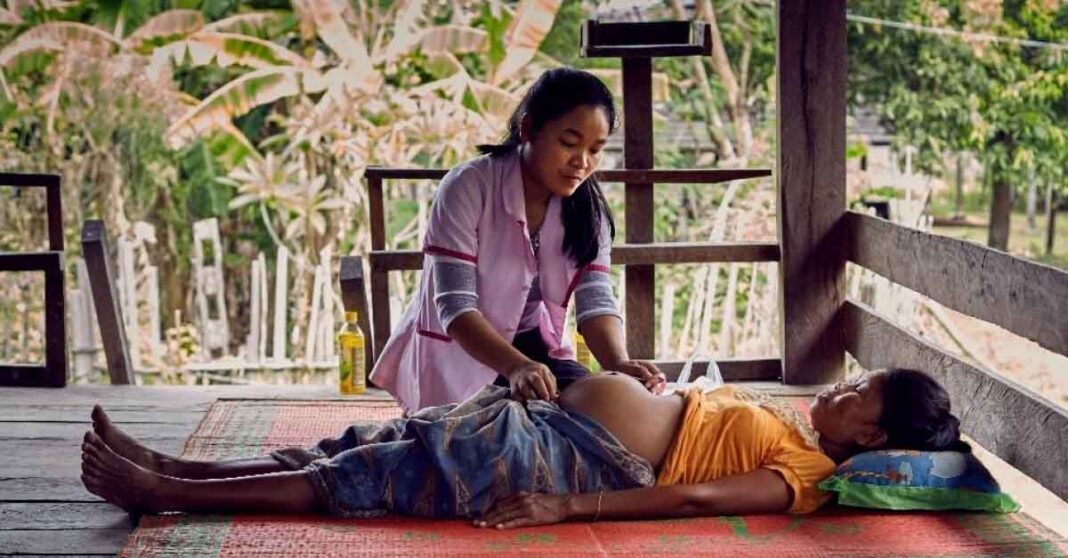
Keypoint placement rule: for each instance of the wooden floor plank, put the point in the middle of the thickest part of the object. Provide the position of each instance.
(67, 488)
(61, 515)
(79, 413)
(79, 542)
(44, 509)
(58, 458)
(73, 431)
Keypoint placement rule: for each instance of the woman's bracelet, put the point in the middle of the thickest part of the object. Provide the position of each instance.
(600, 494)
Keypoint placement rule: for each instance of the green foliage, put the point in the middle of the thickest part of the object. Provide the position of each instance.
(563, 39)
(1006, 103)
(496, 26)
(884, 193)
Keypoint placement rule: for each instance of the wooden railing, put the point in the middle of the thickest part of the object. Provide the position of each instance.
(1028, 299)
(383, 261)
(53, 373)
(95, 250)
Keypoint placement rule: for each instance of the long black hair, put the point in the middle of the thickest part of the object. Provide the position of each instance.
(916, 413)
(557, 92)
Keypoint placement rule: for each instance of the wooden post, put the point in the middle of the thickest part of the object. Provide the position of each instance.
(638, 154)
(106, 302)
(379, 279)
(354, 298)
(1051, 222)
(811, 186)
(55, 292)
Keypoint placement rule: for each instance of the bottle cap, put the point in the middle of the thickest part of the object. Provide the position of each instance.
(352, 316)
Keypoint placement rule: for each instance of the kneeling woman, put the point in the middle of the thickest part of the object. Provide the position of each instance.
(512, 237)
(505, 464)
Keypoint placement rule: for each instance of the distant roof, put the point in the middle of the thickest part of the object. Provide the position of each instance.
(865, 122)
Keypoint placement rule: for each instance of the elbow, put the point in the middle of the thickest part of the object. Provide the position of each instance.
(702, 501)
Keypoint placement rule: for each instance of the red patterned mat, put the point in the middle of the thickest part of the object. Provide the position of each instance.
(248, 428)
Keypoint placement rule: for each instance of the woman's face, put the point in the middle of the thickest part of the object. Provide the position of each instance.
(848, 413)
(565, 151)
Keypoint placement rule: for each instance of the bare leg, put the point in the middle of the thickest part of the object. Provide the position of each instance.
(127, 446)
(136, 489)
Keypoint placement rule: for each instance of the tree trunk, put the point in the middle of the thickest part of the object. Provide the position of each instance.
(959, 210)
(1032, 199)
(1000, 211)
(1051, 225)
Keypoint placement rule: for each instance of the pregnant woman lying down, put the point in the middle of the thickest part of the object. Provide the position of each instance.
(607, 448)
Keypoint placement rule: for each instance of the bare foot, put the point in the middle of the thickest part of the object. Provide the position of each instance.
(128, 447)
(117, 479)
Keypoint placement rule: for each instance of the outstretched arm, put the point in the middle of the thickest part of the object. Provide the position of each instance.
(761, 491)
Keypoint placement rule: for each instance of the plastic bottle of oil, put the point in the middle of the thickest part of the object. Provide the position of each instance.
(582, 352)
(352, 363)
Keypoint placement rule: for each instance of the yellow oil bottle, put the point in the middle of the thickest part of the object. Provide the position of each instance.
(352, 363)
(582, 352)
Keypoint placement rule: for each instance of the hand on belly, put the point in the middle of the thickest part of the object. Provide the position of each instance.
(644, 423)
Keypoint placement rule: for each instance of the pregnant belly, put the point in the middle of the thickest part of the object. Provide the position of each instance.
(644, 423)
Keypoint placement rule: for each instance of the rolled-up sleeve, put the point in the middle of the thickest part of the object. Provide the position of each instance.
(455, 288)
(595, 295)
(451, 244)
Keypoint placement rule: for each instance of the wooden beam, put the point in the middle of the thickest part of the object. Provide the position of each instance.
(354, 297)
(1026, 298)
(54, 208)
(623, 254)
(694, 252)
(379, 279)
(54, 371)
(733, 369)
(658, 176)
(680, 176)
(382, 323)
(811, 186)
(377, 214)
(28, 180)
(106, 301)
(30, 261)
(56, 316)
(646, 39)
(638, 203)
(380, 173)
(1008, 419)
(25, 375)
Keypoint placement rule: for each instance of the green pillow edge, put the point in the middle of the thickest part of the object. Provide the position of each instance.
(916, 497)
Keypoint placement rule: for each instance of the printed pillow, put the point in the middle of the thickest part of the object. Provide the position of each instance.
(917, 480)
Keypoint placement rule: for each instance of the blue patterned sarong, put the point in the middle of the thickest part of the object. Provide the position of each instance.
(457, 460)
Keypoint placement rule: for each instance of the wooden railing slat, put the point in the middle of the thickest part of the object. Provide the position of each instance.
(29, 180)
(1026, 298)
(658, 176)
(106, 302)
(30, 261)
(623, 254)
(1013, 422)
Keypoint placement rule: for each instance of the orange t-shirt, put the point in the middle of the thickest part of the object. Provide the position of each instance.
(722, 435)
